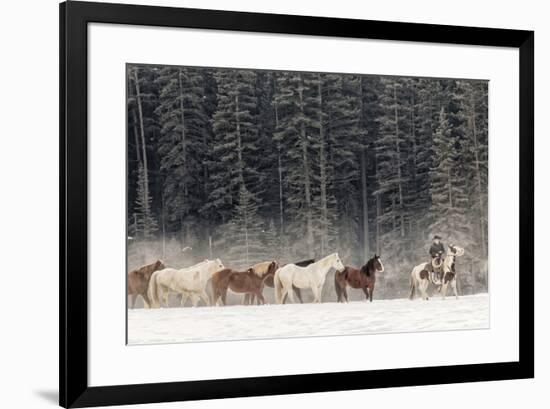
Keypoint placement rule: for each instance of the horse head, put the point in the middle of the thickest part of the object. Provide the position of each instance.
(455, 251)
(219, 264)
(378, 264)
(374, 265)
(159, 264)
(337, 263)
(273, 266)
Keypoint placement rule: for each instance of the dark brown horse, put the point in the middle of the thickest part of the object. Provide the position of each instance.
(363, 278)
(250, 282)
(304, 263)
(138, 281)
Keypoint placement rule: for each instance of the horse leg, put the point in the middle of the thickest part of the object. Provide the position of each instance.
(146, 300)
(246, 299)
(345, 292)
(184, 297)
(133, 298)
(371, 290)
(205, 298)
(260, 298)
(422, 286)
(316, 294)
(413, 288)
(298, 293)
(444, 290)
(453, 284)
(290, 294)
(366, 291)
(337, 288)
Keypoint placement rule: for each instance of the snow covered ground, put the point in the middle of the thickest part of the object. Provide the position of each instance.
(168, 325)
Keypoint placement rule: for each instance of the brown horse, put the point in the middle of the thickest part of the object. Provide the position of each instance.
(247, 282)
(138, 281)
(363, 278)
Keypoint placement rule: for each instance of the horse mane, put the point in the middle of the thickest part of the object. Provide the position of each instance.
(261, 268)
(332, 255)
(367, 268)
(305, 263)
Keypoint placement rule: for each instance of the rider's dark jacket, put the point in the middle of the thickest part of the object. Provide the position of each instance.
(435, 249)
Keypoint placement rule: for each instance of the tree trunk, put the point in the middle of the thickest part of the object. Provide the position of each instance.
(378, 214)
(183, 138)
(307, 187)
(239, 141)
(478, 177)
(143, 145)
(322, 171)
(280, 174)
(136, 137)
(398, 164)
(364, 196)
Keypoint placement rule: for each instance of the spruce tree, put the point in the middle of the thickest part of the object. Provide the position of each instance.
(145, 224)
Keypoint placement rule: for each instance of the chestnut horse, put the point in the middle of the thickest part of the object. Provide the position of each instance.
(138, 281)
(247, 282)
(363, 278)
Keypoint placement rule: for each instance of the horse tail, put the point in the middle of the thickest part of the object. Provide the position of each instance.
(208, 286)
(413, 287)
(337, 287)
(152, 290)
(278, 286)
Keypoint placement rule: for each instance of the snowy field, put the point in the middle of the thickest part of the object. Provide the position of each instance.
(169, 325)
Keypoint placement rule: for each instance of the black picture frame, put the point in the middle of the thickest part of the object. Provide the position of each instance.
(73, 349)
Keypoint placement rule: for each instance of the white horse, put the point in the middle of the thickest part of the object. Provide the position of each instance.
(421, 277)
(190, 281)
(312, 276)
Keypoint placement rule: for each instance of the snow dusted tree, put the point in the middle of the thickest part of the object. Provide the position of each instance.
(344, 134)
(270, 241)
(297, 123)
(449, 200)
(181, 113)
(245, 232)
(391, 169)
(233, 158)
(145, 224)
(474, 109)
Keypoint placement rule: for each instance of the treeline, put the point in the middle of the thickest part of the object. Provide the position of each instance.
(251, 165)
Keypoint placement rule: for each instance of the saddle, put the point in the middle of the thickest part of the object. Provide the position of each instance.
(435, 273)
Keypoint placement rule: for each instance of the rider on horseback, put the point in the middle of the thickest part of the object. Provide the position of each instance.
(437, 249)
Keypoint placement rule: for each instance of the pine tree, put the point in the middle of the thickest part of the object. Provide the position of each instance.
(449, 200)
(392, 176)
(146, 225)
(345, 137)
(245, 232)
(297, 127)
(181, 146)
(233, 149)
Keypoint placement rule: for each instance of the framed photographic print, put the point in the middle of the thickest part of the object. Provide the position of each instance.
(283, 204)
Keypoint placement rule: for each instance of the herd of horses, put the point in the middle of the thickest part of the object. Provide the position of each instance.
(155, 282)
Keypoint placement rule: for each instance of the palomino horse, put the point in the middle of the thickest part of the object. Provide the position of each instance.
(269, 282)
(187, 281)
(138, 281)
(421, 277)
(313, 276)
(363, 278)
(167, 291)
(250, 282)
